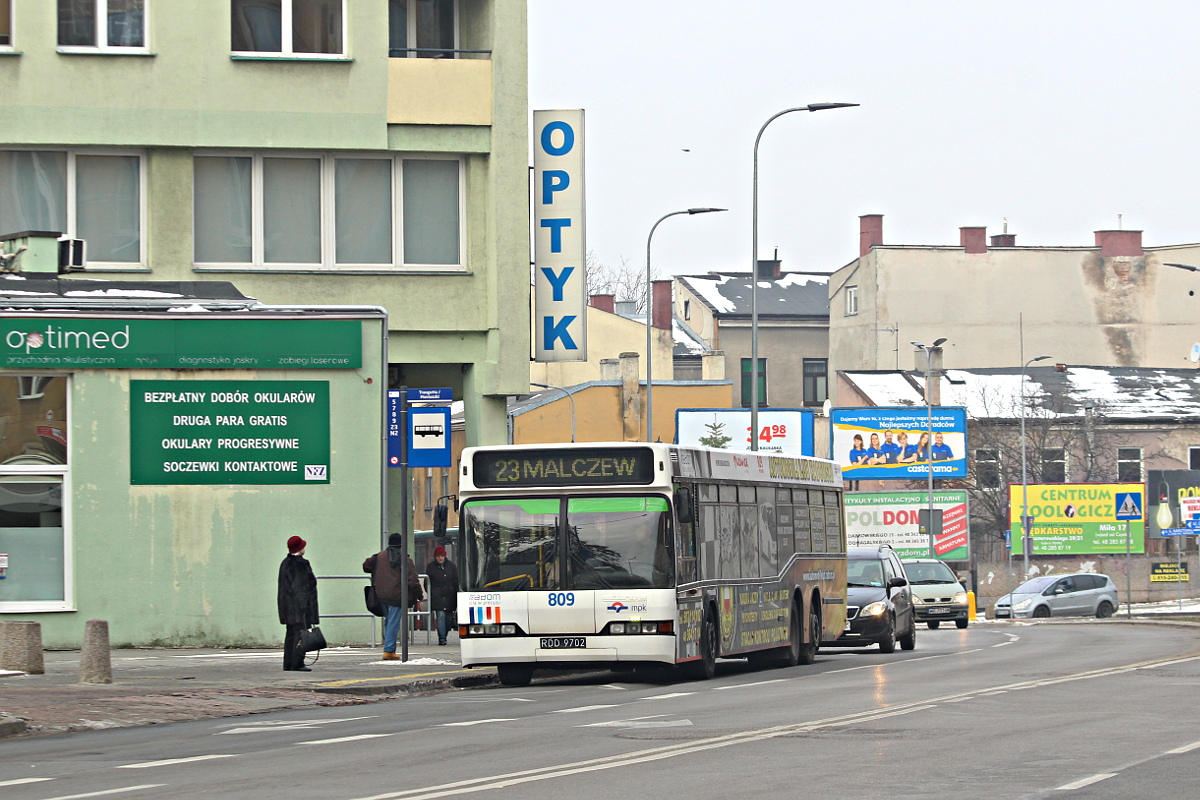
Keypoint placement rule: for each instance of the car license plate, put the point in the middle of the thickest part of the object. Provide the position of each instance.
(939, 610)
(562, 642)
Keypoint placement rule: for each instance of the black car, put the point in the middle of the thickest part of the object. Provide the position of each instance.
(879, 607)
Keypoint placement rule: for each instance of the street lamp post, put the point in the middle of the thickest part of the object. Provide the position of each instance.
(650, 318)
(929, 424)
(754, 265)
(1026, 522)
(570, 398)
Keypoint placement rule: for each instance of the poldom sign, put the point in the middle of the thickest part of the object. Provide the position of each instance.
(559, 246)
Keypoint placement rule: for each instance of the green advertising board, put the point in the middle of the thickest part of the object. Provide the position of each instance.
(228, 432)
(1074, 519)
(123, 343)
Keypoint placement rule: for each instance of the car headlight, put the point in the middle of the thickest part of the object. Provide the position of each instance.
(875, 609)
(1024, 603)
(918, 600)
(960, 598)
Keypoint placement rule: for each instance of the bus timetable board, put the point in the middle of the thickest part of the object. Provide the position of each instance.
(594, 466)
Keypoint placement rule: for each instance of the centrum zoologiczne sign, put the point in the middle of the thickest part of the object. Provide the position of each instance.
(1074, 519)
(99, 343)
(206, 432)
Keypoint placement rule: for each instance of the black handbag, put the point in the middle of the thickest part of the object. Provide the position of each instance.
(310, 639)
(373, 604)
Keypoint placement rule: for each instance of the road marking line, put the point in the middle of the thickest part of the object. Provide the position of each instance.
(583, 708)
(270, 726)
(654, 723)
(1010, 641)
(20, 781)
(668, 695)
(619, 721)
(169, 761)
(1187, 748)
(108, 791)
(1082, 782)
(349, 738)
(474, 722)
(756, 683)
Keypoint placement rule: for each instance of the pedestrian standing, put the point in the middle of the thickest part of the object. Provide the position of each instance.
(443, 589)
(387, 576)
(297, 602)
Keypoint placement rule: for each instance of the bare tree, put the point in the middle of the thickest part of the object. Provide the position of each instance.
(625, 282)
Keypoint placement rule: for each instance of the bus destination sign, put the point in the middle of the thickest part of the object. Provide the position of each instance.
(592, 466)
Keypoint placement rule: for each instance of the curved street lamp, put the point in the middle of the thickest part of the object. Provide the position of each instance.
(754, 265)
(650, 318)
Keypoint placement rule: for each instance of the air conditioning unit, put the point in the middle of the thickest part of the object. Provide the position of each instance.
(72, 255)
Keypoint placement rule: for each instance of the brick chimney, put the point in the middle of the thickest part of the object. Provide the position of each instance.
(870, 232)
(604, 302)
(974, 239)
(1119, 243)
(660, 295)
(1004, 240)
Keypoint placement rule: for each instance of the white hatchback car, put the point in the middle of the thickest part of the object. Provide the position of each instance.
(1085, 594)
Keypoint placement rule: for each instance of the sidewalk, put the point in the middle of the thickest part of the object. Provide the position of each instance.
(169, 685)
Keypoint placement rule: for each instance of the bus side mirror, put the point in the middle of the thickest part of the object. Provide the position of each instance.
(440, 512)
(683, 505)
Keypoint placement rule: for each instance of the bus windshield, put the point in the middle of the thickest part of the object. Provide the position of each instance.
(568, 543)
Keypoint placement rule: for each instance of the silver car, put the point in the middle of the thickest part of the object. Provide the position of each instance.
(1084, 594)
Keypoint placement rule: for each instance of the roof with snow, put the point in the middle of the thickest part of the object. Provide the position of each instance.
(32, 292)
(793, 294)
(1119, 393)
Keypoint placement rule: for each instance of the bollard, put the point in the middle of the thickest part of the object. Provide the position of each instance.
(95, 662)
(21, 648)
(971, 612)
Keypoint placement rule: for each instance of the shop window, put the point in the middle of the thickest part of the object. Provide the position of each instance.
(108, 25)
(321, 211)
(34, 517)
(307, 28)
(422, 28)
(96, 197)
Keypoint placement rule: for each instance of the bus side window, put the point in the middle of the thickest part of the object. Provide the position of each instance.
(685, 503)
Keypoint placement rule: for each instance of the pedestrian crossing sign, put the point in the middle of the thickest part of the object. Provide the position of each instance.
(1129, 505)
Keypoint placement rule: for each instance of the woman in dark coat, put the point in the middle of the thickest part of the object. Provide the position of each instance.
(443, 589)
(297, 602)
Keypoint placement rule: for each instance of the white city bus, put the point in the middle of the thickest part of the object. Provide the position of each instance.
(638, 555)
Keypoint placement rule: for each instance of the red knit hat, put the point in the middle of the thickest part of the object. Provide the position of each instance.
(296, 544)
(439, 551)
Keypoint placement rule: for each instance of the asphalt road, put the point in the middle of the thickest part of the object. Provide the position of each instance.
(1070, 710)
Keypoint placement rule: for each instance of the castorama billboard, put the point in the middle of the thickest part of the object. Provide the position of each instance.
(559, 243)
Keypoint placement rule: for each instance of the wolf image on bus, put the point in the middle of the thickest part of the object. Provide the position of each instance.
(635, 555)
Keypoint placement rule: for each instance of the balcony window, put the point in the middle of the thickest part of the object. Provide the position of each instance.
(112, 25)
(91, 196)
(322, 211)
(422, 28)
(288, 27)
(5, 24)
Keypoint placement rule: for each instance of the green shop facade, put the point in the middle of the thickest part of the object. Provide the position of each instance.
(155, 459)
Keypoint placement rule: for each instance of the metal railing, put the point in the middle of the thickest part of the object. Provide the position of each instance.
(413, 614)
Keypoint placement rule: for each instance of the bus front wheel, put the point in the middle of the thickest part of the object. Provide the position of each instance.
(515, 674)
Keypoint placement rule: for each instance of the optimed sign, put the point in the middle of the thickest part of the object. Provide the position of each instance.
(236, 432)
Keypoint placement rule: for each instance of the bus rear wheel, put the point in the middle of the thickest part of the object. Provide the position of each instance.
(808, 649)
(515, 674)
(706, 667)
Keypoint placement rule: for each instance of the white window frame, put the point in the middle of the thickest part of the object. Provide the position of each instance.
(12, 25)
(328, 261)
(102, 33)
(62, 471)
(72, 213)
(851, 301)
(286, 38)
(1140, 462)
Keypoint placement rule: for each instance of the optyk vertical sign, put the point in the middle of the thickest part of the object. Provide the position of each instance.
(560, 290)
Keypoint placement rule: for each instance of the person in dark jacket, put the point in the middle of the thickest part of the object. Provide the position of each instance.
(443, 589)
(297, 602)
(387, 577)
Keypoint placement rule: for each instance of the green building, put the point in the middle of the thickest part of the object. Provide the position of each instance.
(308, 152)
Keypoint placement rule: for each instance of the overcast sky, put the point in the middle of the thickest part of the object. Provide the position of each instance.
(1057, 115)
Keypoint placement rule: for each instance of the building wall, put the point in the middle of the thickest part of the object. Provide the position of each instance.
(188, 94)
(785, 345)
(1078, 306)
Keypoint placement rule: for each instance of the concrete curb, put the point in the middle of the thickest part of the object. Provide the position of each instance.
(414, 687)
(11, 726)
